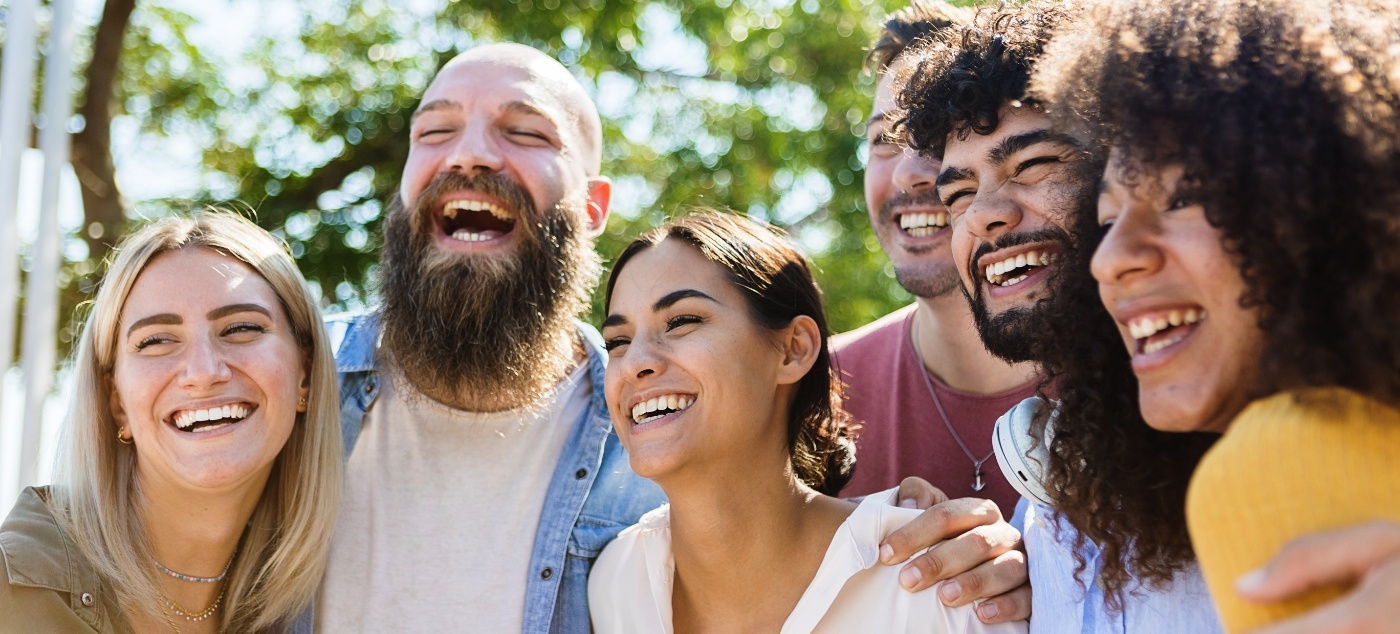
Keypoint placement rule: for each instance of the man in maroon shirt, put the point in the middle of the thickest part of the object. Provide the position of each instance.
(919, 380)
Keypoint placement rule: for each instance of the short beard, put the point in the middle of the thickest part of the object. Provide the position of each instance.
(920, 283)
(1012, 335)
(485, 332)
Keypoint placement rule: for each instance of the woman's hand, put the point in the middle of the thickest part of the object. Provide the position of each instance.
(1367, 556)
(969, 544)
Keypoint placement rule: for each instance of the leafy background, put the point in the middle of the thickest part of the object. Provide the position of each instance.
(753, 105)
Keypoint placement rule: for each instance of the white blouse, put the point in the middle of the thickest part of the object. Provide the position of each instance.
(629, 590)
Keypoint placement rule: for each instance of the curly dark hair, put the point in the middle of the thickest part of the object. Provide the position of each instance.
(959, 79)
(910, 24)
(777, 283)
(1284, 114)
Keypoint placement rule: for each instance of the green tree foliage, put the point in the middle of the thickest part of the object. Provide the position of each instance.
(753, 105)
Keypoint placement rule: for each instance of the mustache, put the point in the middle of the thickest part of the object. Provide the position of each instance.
(494, 184)
(1048, 234)
(926, 198)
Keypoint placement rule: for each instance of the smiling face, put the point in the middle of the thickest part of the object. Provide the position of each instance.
(207, 373)
(693, 381)
(1012, 195)
(1174, 292)
(519, 135)
(905, 212)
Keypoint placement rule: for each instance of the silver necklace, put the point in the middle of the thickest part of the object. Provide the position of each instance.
(978, 483)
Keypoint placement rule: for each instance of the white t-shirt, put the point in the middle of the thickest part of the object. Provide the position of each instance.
(439, 514)
(630, 588)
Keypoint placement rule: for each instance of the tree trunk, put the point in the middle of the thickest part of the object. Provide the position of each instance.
(92, 147)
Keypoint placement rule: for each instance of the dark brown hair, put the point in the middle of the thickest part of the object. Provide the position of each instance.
(1284, 115)
(910, 24)
(960, 78)
(777, 284)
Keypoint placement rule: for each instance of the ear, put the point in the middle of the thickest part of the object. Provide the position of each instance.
(800, 342)
(114, 401)
(599, 201)
(304, 387)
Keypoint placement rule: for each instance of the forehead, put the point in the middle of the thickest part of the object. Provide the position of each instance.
(978, 149)
(194, 278)
(492, 83)
(884, 96)
(670, 265)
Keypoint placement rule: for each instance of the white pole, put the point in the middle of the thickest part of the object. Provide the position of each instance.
(41, 304)
(16, 104)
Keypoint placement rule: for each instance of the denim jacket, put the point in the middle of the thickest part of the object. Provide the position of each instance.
(592, 495)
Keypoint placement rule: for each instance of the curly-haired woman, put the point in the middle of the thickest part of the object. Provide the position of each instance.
(1251, 213)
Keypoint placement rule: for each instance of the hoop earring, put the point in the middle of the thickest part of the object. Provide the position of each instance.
(123, 438)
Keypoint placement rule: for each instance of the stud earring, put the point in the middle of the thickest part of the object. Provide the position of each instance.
(123, 438)
(301, 404)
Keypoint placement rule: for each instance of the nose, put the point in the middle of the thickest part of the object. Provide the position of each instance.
(915, 172)
(475, 151)
(1128, 249)
(643, 358)
(205, 365)
(991, 214)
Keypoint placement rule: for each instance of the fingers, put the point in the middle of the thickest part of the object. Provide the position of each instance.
(1368, 608)
(1340, 556)
(936, 524)
(1004, 608)
(992, 578)
(917, 493)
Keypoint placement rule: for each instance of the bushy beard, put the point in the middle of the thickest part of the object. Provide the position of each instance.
(1012, 334)
(485, 332)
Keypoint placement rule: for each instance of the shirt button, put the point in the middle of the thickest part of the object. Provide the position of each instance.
(581, 474)
(369, 387)
(546, 573)
(87, 600)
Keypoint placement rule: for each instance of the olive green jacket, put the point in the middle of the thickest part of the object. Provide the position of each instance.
(47, 585)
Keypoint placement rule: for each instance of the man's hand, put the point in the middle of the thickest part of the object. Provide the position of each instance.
(1367, 556)
(971, 546)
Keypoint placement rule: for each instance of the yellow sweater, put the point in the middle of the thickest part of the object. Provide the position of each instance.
(1290, 465)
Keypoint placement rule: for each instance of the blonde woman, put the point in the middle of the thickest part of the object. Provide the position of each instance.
(200, 463)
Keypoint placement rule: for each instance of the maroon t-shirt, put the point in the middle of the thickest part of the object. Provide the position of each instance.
(902, 434)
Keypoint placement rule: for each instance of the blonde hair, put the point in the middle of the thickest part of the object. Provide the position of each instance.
(283, 555)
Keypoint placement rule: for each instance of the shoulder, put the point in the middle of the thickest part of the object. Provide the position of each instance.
(40, 573)
(353, 337)
(621, 580)
(877, 335)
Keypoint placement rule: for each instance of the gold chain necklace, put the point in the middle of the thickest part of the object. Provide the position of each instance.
(197, 617)
(168, 621)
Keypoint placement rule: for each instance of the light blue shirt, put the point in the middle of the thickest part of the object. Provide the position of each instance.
(1063, 602)
(592, 495)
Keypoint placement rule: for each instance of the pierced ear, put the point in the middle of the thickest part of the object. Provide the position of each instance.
(304, 388)
(801, 343)
(114, 402)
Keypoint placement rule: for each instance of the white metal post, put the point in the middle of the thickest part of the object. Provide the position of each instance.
(41, 303)
(16, 105)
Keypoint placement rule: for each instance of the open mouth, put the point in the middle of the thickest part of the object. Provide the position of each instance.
(1159, 330)
(654, 408)
(1015, 269)
(197, 421)
(922, 225)
(475, 220)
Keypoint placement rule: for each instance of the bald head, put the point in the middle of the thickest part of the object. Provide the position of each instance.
(554, 89)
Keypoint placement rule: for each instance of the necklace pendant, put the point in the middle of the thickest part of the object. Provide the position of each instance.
(978, 484)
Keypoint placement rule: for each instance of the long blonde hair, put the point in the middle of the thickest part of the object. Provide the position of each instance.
(281, 560)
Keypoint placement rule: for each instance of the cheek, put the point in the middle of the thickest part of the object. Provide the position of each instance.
(418, 171)
(961, 245)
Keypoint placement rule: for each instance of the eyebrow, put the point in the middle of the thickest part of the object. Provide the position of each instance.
(435, 105)
(950, 174)
(171, 319)
(877, 117)
(668, 300)
(1013, 144)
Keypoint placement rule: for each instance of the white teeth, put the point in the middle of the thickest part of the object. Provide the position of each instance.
(923, 224)
(651, 409)
(185, 419)
(470, 236)
(1144, 327)
(450, 209)
(996, 270)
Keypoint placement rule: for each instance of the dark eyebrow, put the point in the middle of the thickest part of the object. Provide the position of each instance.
(1103, 185)
(877, 117)
(224, 311)
(436, 104)
(666, 301)
(950, 174)
(171, 319)
(1013, 144)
